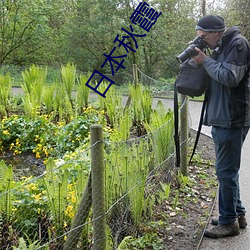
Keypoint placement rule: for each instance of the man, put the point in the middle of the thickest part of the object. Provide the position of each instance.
(228, 112)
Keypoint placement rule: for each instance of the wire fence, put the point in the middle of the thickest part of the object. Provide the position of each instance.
(55, 210)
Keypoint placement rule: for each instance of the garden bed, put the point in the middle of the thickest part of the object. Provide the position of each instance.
(178, 222)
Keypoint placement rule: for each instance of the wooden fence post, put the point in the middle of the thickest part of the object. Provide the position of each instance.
(135, 74)
(98, 195)
(184, 135)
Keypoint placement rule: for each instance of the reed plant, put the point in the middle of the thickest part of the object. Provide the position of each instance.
(113, 107)
(111, 104)
(48, 98)
(126, 172)
(136, 178)
(5, 90)
(56, 184)
(82, 94)
(6, 184)
(34, 80)
(68, 74)
(141, 106)
(122, 130)
(56, 188)
(65, 181)
(62, 106)
(161, 130)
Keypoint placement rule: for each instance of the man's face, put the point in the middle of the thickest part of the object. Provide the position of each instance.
(211, 38)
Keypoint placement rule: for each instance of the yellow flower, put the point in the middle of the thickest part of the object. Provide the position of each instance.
(16, 152)
(31, 187)
(45, 151)
(69, 211)
(38, 156)
(37, 196)
(6, 132)
(14, 209)
(73, 199)
(103, 112)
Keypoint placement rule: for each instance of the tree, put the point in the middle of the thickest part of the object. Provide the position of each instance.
(21, 21)
(237, 13)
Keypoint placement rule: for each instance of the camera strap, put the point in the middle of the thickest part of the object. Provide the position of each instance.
(176, 127)
(199, 127)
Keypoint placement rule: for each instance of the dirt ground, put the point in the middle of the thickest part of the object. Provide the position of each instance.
(187, 222)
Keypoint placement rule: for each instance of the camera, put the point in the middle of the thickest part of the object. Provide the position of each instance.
(190, 51)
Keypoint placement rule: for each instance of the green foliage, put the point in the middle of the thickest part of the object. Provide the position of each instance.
(147, 241)
(5, 90)
(48, 98)
(23, 25)
(111, 104)
(44, 32)
(126, 172)
(33, 85)
(184, 181)
(43, 137)
(161, 126)
(56, 183)
(123, 124)
(141, 104)
(82, 98)
(68, 73)
(164, 192)
(128, 161)
(29, 245)
(30, 206)
(6, 184)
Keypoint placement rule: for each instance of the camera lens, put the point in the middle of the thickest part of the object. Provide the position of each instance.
(187, 53)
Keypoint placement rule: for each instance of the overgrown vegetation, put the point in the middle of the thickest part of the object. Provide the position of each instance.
(38, 211)
(57, 32)
(53, 124)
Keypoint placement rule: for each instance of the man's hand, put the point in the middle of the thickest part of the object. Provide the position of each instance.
(200, 58)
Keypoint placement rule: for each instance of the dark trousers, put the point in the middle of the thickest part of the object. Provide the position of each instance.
(228, 145)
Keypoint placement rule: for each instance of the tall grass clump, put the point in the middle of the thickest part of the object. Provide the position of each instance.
(161, 130)
(141, 105)
(82, 96)
(34, 80)
(5, 90)
(68, 74)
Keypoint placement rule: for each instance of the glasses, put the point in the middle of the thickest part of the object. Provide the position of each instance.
(203, 36)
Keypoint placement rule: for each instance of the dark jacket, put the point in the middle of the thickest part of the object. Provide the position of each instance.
(228, 103)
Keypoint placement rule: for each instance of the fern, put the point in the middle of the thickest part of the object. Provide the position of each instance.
(83, 91)
(56, 185)
(161, 126)
(68, 74)
(33, 86)
(6, 184)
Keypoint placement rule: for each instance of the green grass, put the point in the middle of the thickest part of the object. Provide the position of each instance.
(53, 73)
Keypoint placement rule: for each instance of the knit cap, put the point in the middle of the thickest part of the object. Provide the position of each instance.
(210, 23)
